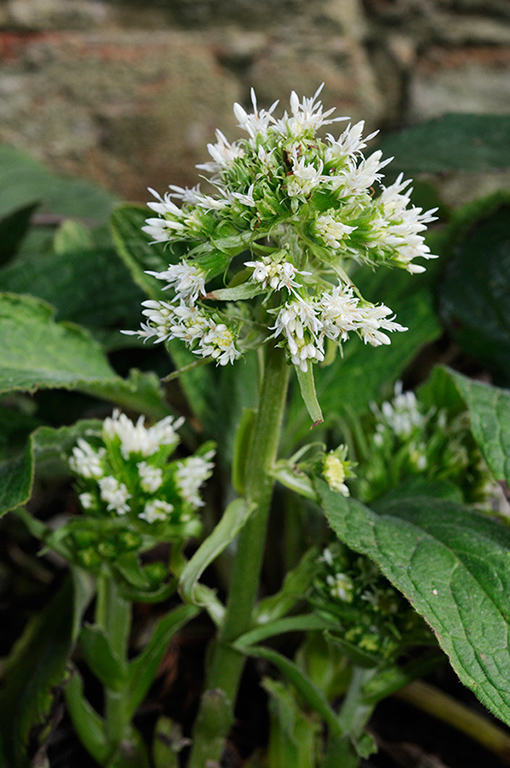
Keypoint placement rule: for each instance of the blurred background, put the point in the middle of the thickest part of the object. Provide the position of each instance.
(127, 94)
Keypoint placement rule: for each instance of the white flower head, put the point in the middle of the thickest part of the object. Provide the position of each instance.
(299, 323)
(219, 343)
(115, 494)
(86, 500)
(139, 439)
(187, 280)
(275, 272)
(156, 511)
(190, 476)
(150, 477)
(86, 461)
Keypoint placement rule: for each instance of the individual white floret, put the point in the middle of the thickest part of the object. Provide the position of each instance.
(219, 343)
(340, 587)
(306, 116)
(332, 231)
(359, 177)
(257, 123)
(156, 511)
(403, 414)
(305, 177)
(298, 321)
(150, 477)
(86, 461)
(115, 494)
(190, 476)
(275, 272)
(349, 144)
(223, 154)
(187, 280)
(86, 500)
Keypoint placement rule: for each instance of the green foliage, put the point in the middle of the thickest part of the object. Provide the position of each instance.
(473, 292)
(25, 181)
(452, 565)
(452, 142)
(36, 668)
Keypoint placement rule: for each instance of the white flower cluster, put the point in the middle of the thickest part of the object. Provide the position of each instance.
(130, 476)
(305, 208)
(305, 324)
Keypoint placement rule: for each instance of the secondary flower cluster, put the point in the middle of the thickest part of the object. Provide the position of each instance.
(300, 209)
(125, 479)
(373, 617)
(411, 440)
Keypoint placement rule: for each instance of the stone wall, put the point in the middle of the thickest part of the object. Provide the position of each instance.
(128, 94)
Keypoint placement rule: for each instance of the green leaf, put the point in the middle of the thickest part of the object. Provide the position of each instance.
(88, 725)
(37, 352)
(25, 181)
(101, 658)
(293, 736)
(142, 670)
(312, 695)
(72, 236)
(13, 229)
(36, 666)
(473, 292)
(301, 623)
(135, 249)
(453, 142)
(453, 565)
(89, 286)
(489, 412)
(244, 291)
(234, 517)
(307, 387)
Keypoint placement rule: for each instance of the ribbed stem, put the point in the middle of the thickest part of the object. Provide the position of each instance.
(226, 665)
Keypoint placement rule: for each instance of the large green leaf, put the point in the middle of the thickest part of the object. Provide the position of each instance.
(453, 142)
(473, 293)
(454, 567)
(24, 180)
(489, 412)
(37, 353)
(91, 286)
(13, 229)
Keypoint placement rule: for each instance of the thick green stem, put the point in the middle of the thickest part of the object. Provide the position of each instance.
(226, 664)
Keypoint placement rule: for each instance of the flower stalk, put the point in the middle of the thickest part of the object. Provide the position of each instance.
(226, 664)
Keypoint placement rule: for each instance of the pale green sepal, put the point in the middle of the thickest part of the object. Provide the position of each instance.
(235, 516)
(307, 386)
